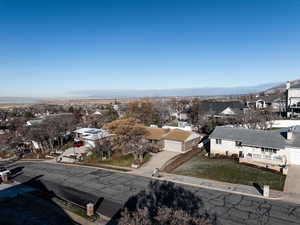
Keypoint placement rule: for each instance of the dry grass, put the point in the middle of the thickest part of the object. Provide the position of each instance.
(229, 170)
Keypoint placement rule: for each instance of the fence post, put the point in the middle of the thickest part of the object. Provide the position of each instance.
(266, 191)
(4, 178)
(90, 209)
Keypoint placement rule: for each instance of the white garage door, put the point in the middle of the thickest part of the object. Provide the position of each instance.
(294, 156)
(173, 146)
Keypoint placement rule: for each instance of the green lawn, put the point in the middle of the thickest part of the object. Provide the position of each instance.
(229, 170)
(124, 160)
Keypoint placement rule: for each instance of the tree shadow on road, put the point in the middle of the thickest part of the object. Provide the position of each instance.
(31, 203)
(167, 195)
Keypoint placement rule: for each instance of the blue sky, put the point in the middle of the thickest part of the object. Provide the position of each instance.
(52, 48)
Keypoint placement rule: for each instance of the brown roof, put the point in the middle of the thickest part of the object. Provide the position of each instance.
(155, 133)
(178, 135)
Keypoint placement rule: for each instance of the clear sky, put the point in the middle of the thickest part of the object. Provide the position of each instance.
(54, 47)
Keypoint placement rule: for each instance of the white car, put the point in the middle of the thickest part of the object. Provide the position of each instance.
(4, 171)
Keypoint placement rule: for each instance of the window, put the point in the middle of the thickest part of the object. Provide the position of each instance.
(268, 150)
(218, 141)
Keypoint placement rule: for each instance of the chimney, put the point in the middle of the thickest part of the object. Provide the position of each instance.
(288, 85)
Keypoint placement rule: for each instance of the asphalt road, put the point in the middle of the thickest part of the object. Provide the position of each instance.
(111, 190)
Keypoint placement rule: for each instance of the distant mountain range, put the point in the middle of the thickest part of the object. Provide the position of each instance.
(281, 87)
(207, 91)
(12, 100)
(268, 88)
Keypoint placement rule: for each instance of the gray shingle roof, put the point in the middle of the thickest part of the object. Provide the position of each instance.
(218, 107)
(250, 137)
(295, 85)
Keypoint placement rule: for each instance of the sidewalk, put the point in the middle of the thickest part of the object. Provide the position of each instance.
(83, 221)
(292, 182)
(206, 183)
(220, 186)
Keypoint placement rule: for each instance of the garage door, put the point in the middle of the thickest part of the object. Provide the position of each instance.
(173, 146)
(294, 156)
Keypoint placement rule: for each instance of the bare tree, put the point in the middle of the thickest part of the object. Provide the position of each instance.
(164, 216)
(104, 148)
(143, 110)
(139, 148)
(256, 119)
(163, 110)
(127, 130)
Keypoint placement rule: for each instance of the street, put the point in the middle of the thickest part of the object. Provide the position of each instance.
(111, 190)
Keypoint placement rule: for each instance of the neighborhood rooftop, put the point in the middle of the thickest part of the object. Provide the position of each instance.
(154, 133)
(251, 137)
(220, 106)
(178, 135)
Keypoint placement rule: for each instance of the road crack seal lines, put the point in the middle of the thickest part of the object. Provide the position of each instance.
(295, 212)
(235, 208)
(263, 213)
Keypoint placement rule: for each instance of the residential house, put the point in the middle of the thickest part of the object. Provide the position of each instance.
(275, 103)
(292, 99)
(272, 149)
(91, 135)
(260, 104)
(181, 126)
(175, 140)
(155, 135)
(178, 140)
(40, 120)
(223, 108)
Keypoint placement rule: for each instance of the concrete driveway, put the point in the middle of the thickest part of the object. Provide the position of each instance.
(157, 161)
(292, 183)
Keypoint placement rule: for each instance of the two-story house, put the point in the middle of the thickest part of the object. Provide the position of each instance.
(272, 149)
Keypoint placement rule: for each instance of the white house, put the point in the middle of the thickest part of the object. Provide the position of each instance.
(273, 149)
(260, 104)
(181, 126)
(293, 99)
(91, 135)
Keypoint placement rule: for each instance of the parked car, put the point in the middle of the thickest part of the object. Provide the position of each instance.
(23, 152)
(78, 144)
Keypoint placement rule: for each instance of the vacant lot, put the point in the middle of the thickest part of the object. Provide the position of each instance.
(229, 170)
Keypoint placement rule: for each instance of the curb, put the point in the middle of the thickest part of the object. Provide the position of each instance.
(175, 181)
(219, 189)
